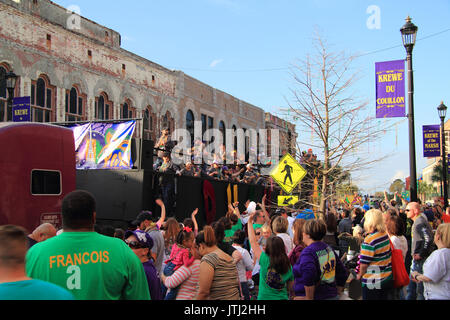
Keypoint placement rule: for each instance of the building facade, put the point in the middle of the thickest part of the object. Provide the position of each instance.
(75, 70)
(287, 135)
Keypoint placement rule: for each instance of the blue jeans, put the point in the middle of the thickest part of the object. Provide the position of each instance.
(168, 271)
(414, 291)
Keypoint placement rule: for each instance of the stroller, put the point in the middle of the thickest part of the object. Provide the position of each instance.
(353, 285)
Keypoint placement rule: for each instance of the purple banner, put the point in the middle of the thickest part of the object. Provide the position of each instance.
(21, 109)
(390, 80)
(448, 164)
(432, 141)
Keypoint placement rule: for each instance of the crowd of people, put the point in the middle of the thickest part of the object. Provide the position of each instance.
(219, 165)
(262, 253)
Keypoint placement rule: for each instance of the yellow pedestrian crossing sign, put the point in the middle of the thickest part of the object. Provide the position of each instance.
(286, 201)
(288, 173)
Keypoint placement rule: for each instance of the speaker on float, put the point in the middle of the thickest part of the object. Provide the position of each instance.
(147, 154)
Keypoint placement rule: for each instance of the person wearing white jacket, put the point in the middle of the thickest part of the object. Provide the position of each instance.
(245, 264)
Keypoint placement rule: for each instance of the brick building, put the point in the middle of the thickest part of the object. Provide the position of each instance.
(75, 70)
(287, 134)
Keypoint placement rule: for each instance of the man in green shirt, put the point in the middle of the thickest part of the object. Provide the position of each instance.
(91, 266)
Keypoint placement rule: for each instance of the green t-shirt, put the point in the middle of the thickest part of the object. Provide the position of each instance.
(230, 232)
(272, 285)
(91, 266)
(33, 290)
(257, 226)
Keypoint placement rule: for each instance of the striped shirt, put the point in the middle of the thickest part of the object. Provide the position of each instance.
(376, 252)
(188, 279)
(225, 283)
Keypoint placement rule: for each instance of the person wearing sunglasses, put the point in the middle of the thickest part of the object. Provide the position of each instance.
(141, 243)
(421, 247)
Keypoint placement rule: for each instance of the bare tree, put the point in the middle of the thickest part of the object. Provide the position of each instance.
(326, 108)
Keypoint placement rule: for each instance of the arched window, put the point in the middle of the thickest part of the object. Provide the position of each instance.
(3, 95)
(167, 121)
(190, 125)
(127, 112)
(75, 102)
(42, 100)
(149, 124)
(235, 146)
(223, 131)
(247, 144)
(103, 107)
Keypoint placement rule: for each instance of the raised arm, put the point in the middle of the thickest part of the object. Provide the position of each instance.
(194, 213)
(160, 203)
(234, 209)
(252, 238)
(263, 208)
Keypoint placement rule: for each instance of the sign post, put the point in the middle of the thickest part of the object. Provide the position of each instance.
(286, 201)
(288, 173)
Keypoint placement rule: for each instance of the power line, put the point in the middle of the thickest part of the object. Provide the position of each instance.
(288, 68)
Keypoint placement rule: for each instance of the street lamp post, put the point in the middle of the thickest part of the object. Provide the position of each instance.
(409, 33)
(442, 109)
(11, 79)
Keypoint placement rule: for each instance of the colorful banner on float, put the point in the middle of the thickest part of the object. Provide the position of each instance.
(103, 145)
(390, 80)
(432, 141)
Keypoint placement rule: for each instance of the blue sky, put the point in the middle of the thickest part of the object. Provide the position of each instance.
(246, 47)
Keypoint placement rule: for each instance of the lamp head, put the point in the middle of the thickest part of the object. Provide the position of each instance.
(442, 109)
(409, 33)
(11, 79)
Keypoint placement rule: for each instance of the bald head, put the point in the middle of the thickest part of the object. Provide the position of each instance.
(412, 210)
(43, 232)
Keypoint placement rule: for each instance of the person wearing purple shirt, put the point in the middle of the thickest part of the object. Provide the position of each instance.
(319, 273)
(141, 243)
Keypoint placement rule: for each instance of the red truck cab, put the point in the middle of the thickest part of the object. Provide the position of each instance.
(37, 169)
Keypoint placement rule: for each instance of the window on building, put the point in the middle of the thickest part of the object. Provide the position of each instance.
(235, 146)
(247, 144)
(204, 119)
(103, 107)
(127, 111)
(4, 96)
(223, 131)
(42, 100)
(289, 142)
(75, 105)
(149, 124)
(190, 125)
(211, 126)
(167, 121)
(447, 142)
